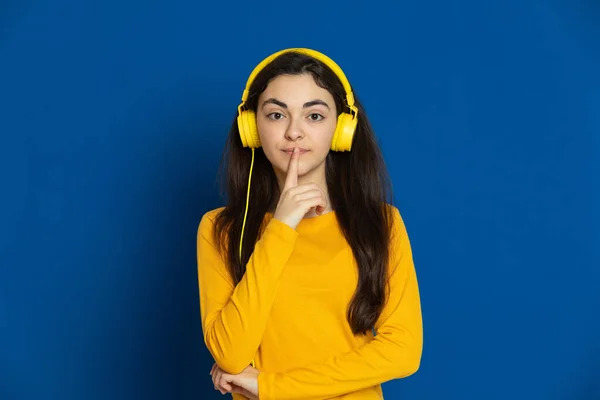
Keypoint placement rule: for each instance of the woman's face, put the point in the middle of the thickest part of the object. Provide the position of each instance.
(294, 112)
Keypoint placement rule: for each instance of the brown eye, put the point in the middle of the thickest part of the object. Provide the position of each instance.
(316, 117)
(275, 116)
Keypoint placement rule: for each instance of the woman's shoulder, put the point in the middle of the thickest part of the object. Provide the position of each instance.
(208, 219)
(393, 213)
(396, 220)
(211, 214)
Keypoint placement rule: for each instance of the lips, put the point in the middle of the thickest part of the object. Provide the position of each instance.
(289, 151)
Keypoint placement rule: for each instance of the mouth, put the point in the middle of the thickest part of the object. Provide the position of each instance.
(289, 151)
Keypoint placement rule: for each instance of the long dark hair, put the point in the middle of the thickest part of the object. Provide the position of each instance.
(358, 185)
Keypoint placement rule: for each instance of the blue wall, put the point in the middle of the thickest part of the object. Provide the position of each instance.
(112, 119)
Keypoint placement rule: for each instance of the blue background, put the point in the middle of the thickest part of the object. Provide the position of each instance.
(113, 116)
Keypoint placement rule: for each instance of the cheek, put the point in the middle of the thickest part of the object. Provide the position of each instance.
(269, 146)
(325, 139)
(329, 130)
(266, 137)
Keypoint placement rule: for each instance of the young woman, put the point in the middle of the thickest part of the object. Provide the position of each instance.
(306, 277)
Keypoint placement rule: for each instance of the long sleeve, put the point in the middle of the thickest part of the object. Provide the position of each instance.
(395, 351)
(234, 317)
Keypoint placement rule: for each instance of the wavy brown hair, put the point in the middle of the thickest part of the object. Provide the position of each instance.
(357, 181)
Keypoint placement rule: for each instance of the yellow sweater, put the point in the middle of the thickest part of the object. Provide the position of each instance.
(288, 313)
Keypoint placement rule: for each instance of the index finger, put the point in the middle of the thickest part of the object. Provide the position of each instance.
(291, 178)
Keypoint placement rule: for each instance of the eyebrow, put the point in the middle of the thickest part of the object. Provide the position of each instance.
(305, 105)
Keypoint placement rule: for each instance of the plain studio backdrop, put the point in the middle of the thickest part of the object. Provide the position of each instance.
(113, 116)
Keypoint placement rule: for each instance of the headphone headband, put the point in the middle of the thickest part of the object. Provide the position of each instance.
(311, 53)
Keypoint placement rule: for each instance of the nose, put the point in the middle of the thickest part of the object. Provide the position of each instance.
(294, 130)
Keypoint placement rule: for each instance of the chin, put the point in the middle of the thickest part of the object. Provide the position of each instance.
(303, 169)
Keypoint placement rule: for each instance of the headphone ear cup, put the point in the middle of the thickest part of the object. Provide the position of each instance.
(344, 132)
(248, 130)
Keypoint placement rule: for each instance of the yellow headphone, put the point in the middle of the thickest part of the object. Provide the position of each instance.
(246, 119)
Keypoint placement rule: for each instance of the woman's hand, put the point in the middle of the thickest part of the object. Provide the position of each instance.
(244, 383)
(297, 200)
